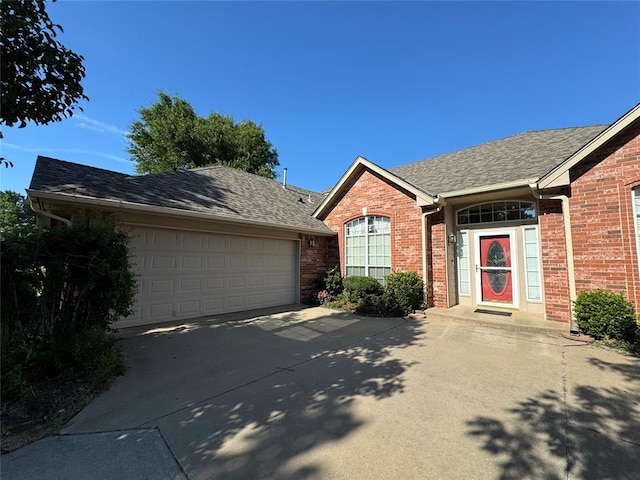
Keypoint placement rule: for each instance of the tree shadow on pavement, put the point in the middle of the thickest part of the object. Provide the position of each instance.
(265, 424)
(595, 434)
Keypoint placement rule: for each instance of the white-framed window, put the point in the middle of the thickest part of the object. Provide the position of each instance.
(464, 270)
(368, 247)
(496, 212)
(636, 216)
(533, 278)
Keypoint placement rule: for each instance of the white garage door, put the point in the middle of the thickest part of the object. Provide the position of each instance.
(188, 274)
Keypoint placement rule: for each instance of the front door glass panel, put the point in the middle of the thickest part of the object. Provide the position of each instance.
(495, 269)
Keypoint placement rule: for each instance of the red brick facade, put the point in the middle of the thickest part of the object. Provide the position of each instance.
(437, 261)
(602, 226)
(380, 197)
(315, 260)
(602, 221)
(554, 260)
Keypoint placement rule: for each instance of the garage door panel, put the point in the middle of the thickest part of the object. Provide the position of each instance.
(193, 241)
(236, 301)
(236, 282)
(215, 262)
(188, 308)
(159, 262)
(162, 286)
(254, 281)
(191, 263)
(159, 239)
(189, 274)
(190, 285)
(214, 283)
(160, 311)
(213, 305)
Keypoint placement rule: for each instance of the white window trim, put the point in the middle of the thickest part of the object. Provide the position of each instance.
(524, 256)
(366, 245)
(635, 194)
(467, 236)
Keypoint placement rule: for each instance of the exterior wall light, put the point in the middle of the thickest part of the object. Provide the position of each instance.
(312, 242)
(452, 239)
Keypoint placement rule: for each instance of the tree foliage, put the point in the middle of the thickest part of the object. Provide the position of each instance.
(170, 136)
(40, 78)
(16, 217)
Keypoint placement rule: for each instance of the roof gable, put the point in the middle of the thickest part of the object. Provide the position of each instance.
(359, 164)
(559, 174)
(221, 192)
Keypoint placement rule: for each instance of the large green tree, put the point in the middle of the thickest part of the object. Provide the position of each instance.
(170, 136)
(40, 78)
(16, 217)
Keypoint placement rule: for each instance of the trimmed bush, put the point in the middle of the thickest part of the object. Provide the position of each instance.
(379, 305)
(606, 315)
(357, 287)
(407, 290)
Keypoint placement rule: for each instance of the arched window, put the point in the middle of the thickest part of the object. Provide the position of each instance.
(494, 212)
(367, 242)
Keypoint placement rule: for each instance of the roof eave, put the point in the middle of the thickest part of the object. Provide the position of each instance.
(488, 188)
(559, 175)
(422, 198)
(139, 207)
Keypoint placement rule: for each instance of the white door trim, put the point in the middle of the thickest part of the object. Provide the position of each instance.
(511, 232)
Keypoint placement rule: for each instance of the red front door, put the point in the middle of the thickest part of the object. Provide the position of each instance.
(495, 268)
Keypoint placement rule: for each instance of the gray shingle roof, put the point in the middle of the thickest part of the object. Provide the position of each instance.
(220, 191)
(523, 156)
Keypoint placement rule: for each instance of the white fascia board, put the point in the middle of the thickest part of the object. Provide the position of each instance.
(559, 176)
(488, 188)
(176, 212)
(422, 198)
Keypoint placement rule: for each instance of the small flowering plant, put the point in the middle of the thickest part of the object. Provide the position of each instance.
(323, 296)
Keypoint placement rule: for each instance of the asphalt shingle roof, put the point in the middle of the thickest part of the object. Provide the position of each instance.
(220, 191)
(523, 156)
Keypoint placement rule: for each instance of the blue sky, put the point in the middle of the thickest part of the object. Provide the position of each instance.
(394, 82)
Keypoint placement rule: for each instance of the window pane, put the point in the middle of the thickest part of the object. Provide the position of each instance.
(462, 249)
(497, 212)
(532, 264)
(368, 247)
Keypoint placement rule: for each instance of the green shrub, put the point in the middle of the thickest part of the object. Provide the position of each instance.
(358, 287)
(379, 305)
(407, 289)
(62, 288)
(606, 315)
(332, 281)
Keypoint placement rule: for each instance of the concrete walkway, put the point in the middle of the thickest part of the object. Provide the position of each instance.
(312, 393)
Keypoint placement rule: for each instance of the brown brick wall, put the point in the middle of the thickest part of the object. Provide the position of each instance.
(554, 260)
(605, 253)
(437, 260)
(602, 227)
(314, 262)
(380, 197)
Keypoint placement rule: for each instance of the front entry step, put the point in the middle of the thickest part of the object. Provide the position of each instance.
(518, 321)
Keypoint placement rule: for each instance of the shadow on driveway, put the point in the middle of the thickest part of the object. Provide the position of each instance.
(246, 399)
(593, 428)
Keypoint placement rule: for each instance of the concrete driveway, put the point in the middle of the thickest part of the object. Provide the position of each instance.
(316, 394)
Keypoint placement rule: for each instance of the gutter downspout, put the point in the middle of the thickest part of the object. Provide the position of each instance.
(440, 203)
(574, 329)
(39, 211)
